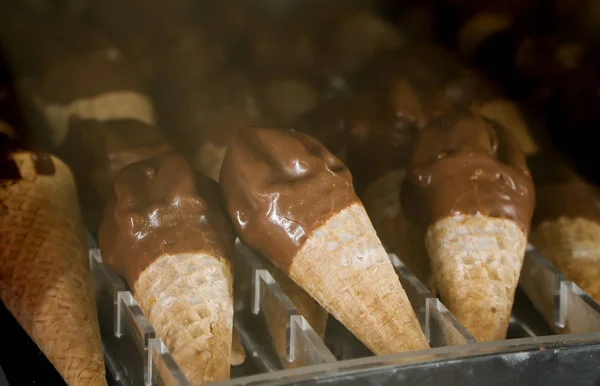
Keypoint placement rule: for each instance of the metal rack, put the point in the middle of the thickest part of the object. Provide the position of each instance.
(136, 357)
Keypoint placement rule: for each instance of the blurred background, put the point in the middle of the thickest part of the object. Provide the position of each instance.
(362, 76)
(305, 63)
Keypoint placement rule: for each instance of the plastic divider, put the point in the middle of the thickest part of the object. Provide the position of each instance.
(580, 312)
(440, 327)
(518, 329)
(416, 291)
(306, 348)
(564, 306)
(136, 357)
(127, 334)
(295, 341)
(540, 281)
(161, 367)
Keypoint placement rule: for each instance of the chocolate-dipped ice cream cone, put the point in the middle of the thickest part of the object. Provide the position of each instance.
(293, 202)
(46, 282)
(566, 224)
(469, 187)
(172, 244)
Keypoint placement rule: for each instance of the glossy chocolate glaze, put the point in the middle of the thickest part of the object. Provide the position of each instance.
(158, 210)
(279, 186)
(464, 164)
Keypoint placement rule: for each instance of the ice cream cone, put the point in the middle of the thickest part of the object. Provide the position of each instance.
(165, 233)
(476, 261)
(345, 268)
(197, 332)
(45, 281)
(293, 202)
(573, 245)
(381, 199)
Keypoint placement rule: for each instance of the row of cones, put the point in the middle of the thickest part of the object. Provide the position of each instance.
(364, 293)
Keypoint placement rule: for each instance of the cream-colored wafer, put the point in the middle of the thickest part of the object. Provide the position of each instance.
(476, 261)
(572, 245)
(45, 281)
(188, 299)
(346, 269)
(103, 107)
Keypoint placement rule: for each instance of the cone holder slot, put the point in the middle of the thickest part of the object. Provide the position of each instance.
(294, 340)
(161, 367)
(440, 327)
(127, 335)
(564, 306)
(266, 317)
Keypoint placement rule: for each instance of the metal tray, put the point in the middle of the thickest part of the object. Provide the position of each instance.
(546, 304)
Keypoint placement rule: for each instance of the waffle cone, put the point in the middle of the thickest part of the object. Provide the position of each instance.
(573, 245)
(345, 268)
(382, 202)
(44, 276)
(188, 299)
(476, 261)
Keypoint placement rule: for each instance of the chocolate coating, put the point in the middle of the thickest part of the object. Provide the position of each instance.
(464, 164)
(158, 210)
(279, 186)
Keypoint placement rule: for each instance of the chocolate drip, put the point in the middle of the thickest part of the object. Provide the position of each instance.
(158, 211)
